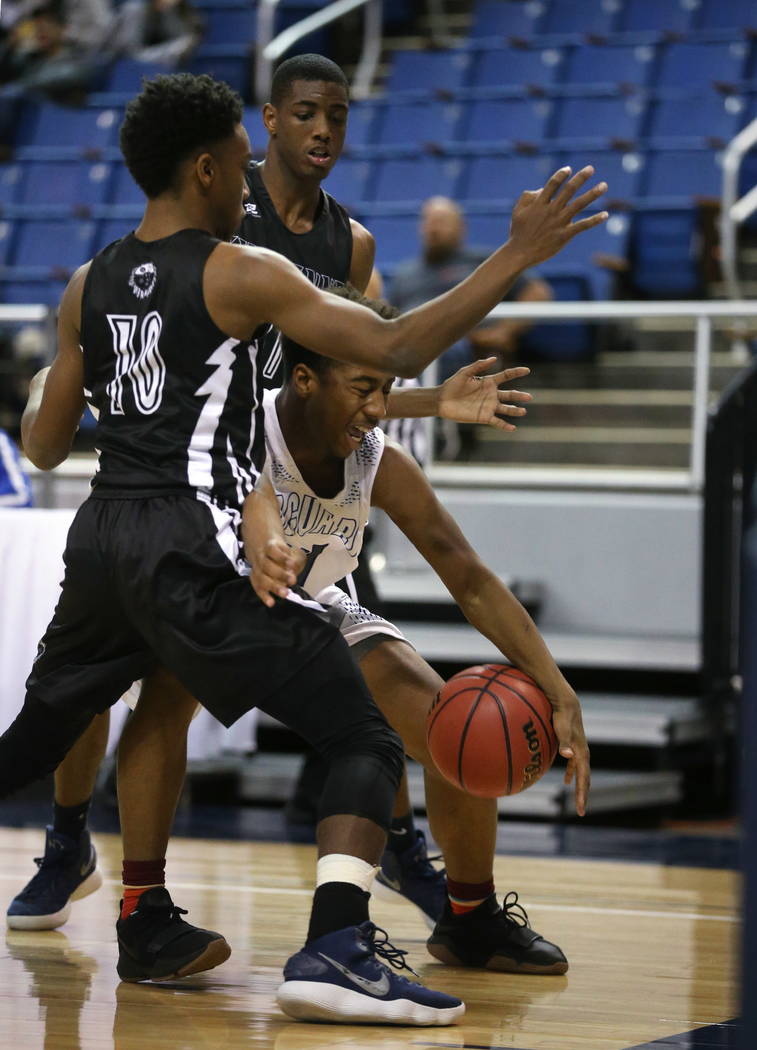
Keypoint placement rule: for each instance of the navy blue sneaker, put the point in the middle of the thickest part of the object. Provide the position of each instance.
(340, 977)
(67, 872)
(494, 938)
(411, 874)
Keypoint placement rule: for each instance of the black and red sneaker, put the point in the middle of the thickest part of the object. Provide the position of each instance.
(155, 944)
(494, 938)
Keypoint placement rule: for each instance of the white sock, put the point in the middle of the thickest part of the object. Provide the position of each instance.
(341, 867)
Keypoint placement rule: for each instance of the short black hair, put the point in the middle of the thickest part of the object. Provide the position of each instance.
(173, 116)
(305, 67)
(294, 354)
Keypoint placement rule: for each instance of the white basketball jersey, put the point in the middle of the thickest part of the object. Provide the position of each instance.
(330, 529)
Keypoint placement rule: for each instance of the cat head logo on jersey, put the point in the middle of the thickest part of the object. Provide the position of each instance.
(142, 279)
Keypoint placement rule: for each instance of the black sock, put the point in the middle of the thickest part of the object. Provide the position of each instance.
(71, 820)
(335, 906)
(401, 833)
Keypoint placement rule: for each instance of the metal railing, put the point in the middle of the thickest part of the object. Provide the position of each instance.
(702, 314)
(269, 48)
(734, 211)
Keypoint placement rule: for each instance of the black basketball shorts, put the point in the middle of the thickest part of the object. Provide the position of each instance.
(157, 581)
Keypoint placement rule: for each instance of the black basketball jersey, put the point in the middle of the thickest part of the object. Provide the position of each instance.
(323, 254)
(179, 401)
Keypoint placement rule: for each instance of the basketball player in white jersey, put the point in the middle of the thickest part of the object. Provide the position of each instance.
(328, 462)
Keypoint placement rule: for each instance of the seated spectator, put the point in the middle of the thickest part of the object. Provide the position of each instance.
(53, 49)
(157, 30)
(15, 489)
(444, 261)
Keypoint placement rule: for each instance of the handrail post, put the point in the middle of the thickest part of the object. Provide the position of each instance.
(266, 19)
(701, 393)
(373, 19)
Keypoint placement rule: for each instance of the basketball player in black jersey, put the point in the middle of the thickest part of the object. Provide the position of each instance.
(288, 212)
(165, 319)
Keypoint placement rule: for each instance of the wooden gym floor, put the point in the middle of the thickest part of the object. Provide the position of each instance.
(653, 953)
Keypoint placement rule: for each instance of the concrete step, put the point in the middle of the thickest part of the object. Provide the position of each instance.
(655, 409)
(653, 447)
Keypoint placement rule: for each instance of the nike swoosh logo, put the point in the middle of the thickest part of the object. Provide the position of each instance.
(85, 866)
(377, 988)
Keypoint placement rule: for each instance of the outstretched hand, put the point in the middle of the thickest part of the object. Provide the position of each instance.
(542, 220)
(569, 729)
(469, 396)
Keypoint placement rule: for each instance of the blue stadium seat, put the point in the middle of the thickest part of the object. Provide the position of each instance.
(396, 238)
(505, 18)
(682, 173)
(576, 16)
(416, 123)
(125, 189)
(664, 253)
(727, 14)
(622, 171)
(487, 229)
(229, 25)
(348, 180)
(505, 177)
(579, 257)
(87, 128)
(599, 117)
(65, 183)
(609, 64)
(659, 15)
(126, 75)
(361, 122)
(693, 65)
(10, 182)
(428, 70)
(503, 120)
(24, 290)
(52, 245)
(516, 66)
(707, 114)
(233, 68)
(414, 178)
(567, 340)
(111, 230)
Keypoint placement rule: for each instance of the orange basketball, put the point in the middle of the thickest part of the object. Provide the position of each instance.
(490, 731)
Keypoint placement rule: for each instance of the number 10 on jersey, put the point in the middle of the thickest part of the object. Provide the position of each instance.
(143, 368)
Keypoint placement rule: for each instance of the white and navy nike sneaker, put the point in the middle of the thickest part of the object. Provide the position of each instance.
(67, 872)
(339, 977)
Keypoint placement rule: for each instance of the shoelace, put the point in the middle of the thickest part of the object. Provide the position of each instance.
(386, 950)
(513, 911)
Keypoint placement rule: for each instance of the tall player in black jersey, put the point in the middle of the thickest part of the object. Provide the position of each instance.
(287, 212)
(160, 328)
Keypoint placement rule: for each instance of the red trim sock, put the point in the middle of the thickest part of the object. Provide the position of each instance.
(138, 876)
(465, 896)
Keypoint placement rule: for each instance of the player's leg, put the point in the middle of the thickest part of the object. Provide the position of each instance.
(68, 868)
(339, 974)
(472, 929)
(154, 941)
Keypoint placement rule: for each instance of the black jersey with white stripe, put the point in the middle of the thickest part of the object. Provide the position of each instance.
(323, 254)
(179, 401)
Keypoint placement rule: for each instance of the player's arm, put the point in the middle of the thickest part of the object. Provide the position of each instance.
(56, 394)
(402, 490)
(273, 563)
(268, 287)
(363, 256)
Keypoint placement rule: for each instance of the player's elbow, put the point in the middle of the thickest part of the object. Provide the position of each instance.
(43, 454)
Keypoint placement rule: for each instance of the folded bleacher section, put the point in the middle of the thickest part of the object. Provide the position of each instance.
(650, 93)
